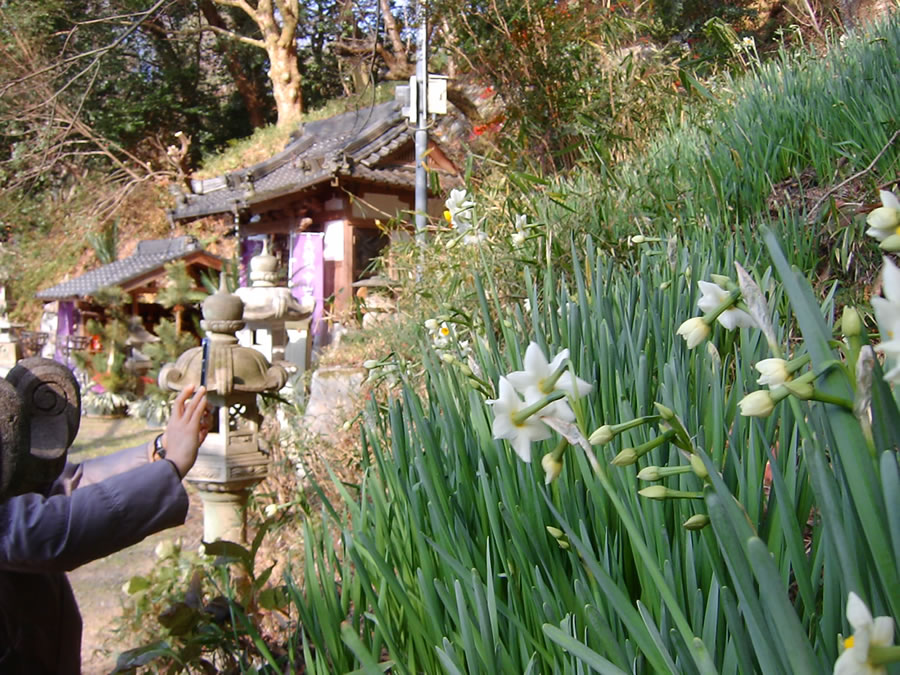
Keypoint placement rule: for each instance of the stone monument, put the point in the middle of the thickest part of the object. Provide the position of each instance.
(40, 412)
(230, 461)
(276, 323)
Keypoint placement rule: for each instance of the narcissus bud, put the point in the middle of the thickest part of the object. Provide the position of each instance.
(625, 458)
(654, 492)
(602, 435)
(649, 473)
(699, 467)
(851, 324)
(696, 522)
(757, 404)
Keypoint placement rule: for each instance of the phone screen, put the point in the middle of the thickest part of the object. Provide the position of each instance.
(204, 367)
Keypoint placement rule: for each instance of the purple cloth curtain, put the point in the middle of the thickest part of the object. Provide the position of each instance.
(65, 326)
(307, 273)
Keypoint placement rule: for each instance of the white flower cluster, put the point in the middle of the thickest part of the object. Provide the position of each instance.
(714, 300)
(524, 389)
(460, 214)
(441, 333)
(518, 237)
(884, 222)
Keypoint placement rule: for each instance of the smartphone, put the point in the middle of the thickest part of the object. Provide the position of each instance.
(204, 366)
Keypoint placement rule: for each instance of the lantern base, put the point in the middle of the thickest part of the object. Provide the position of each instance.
(224, 516)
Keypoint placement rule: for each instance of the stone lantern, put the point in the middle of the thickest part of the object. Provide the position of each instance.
(230, 461)
(275, 322)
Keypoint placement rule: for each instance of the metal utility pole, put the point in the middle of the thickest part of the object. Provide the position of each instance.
(421, 122)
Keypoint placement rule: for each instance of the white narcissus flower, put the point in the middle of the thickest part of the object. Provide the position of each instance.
(459, 206)
(694, 331)
(772, 372)
(520, 435)
(538, 374)
(518, 239)
(713, 297)
(885, 220)
(867, 632)
(757, 404)
(535, 382)
(474, 237)
(887, 314)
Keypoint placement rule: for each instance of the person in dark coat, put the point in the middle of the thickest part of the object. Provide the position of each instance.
(93, 509)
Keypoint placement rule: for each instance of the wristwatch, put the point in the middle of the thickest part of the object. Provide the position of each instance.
(159, 450)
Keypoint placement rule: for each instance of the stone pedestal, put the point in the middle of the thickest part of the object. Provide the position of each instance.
(224, 515)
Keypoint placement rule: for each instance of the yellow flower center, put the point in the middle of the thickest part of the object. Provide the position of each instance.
(448, 216)
(848, 643)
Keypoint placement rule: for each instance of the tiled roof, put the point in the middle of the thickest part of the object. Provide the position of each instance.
(149, 256)
(351, 144)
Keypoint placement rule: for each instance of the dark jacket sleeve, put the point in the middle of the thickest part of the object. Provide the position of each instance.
(62, 531)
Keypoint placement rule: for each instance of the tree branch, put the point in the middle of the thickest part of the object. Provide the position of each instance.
(229, 34)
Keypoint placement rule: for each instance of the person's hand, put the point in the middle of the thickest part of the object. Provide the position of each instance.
(187, 428)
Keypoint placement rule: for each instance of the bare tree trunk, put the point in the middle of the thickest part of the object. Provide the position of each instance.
(390, 27)
(247, 87)
(277, 22)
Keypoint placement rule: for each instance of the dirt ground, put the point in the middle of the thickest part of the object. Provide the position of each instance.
(98, 585)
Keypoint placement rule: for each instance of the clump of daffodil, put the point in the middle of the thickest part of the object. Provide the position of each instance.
(884, 222)
(528, 396)
(720, 303)
(887, 314)
(459, 214)
(870, 647)
(441, 333)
